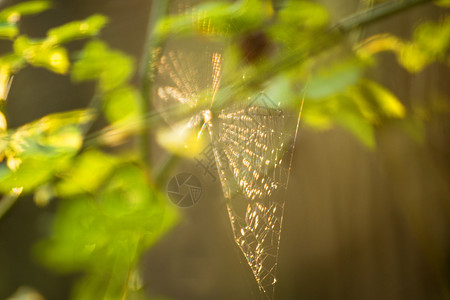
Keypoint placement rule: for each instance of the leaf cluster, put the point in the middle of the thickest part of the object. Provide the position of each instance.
(108, 210)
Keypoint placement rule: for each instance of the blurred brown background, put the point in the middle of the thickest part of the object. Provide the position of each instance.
(358, 224)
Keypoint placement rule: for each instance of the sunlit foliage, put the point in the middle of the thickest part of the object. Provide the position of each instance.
(110, 210)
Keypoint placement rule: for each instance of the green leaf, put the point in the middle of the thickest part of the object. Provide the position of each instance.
(304, 15)
(333, 79)
(215, 18)
(9, 64)
(37, 150)
(80, 179)
(122, 104)
(358, 126)
(32, 172)
(443, 3)
(280, 91)
(379, 102)
(412, 58)
(53, 135)
(299, 23)
(8, 30)
(430, 43)
(433, 38)
(378, 43)
(12, 14)
(77, 30)
(109, 229)
(316, 117)
(39, 54)
(97, 61)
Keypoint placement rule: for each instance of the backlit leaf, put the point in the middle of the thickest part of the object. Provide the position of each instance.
(97, 61)
(13, 13)
(122, 104)
(333, 79)
(358, 126)
(77, 30)
(80, 178)
(38, 54)
(443, 3)
(8, 30)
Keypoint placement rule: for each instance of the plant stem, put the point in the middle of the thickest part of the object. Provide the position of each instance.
(375, 14)
(158, 10)
(95, 105)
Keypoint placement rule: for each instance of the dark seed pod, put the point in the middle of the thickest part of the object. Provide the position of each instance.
(255, 46)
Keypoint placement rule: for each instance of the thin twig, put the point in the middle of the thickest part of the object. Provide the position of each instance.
(376, 13)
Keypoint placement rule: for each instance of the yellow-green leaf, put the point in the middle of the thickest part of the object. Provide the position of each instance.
(8, 30)
(38, 54)
(376, 102)
(333, 79)
(359, 127)
(122, 104)
(443, 3)
(77, 30)
(80, 178)
(111, 67)
(12, 14)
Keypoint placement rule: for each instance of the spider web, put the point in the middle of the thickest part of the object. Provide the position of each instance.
(253, 148)
(252, 141)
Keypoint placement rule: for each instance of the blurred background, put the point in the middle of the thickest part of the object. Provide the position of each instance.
(358, 223)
